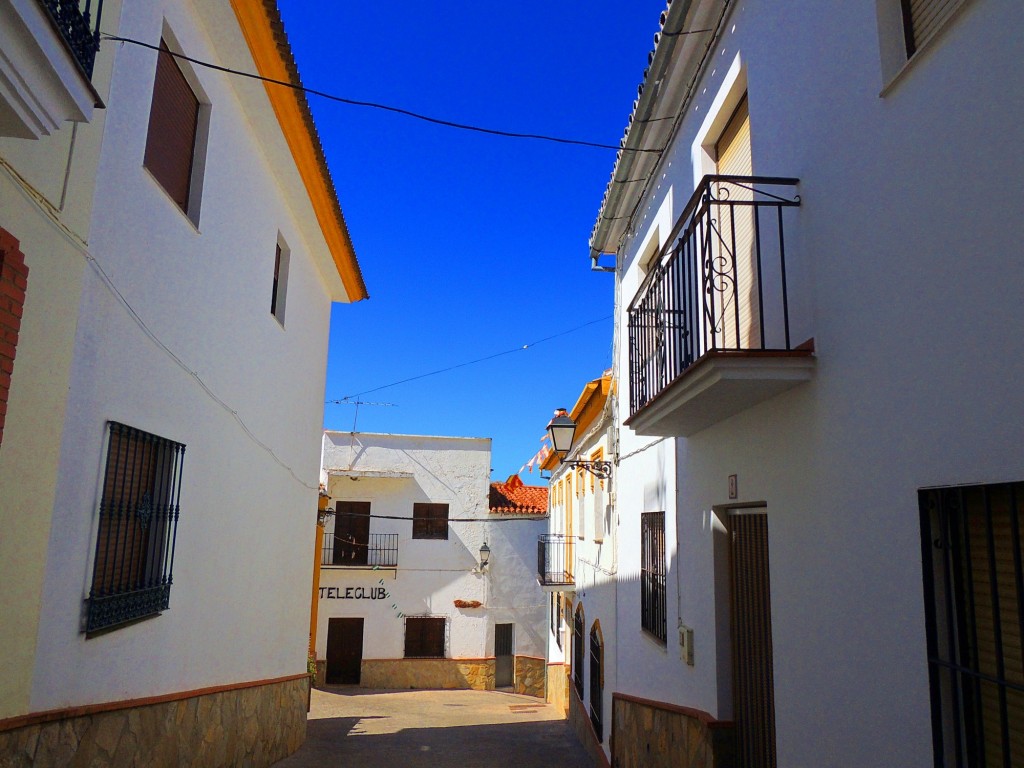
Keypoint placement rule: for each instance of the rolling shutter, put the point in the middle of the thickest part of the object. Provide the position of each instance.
(924, 18)
(170, 143)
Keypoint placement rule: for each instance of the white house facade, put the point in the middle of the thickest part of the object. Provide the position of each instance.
(578, 569)
(207, 246)
(816, 366)
(423, 584)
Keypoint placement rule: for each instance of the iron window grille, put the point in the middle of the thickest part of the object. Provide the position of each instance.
(138, 522)
(429, 521)
(424, 637)
(652, 575)
(596, 681)
(974, 610)
(577, 652)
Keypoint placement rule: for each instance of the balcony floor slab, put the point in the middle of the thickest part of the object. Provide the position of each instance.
(719, 385)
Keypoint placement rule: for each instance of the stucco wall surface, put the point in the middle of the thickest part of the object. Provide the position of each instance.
(46, 195)
(907, 299)
(201, 356)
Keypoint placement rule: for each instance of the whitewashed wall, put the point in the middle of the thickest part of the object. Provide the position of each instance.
(906, 280)
(242, 568)
(432, 574)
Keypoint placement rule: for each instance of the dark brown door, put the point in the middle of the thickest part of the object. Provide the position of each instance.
(503, 671)
(344, 651)
(753, 678)
(351, 533)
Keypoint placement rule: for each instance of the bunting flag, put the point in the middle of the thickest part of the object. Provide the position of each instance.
(538, 459)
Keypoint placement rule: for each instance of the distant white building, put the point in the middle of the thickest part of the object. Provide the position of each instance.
(404, 597)
(815, 228)
(175, 256)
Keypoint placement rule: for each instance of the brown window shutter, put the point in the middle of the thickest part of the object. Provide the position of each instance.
(171, 140)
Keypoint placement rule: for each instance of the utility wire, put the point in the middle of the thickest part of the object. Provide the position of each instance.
(525, 516)
(349, 398)
(377, 105)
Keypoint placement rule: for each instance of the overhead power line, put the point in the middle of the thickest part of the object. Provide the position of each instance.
(377, 105)
(523, 348)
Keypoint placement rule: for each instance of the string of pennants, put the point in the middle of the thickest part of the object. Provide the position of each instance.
(538, 458)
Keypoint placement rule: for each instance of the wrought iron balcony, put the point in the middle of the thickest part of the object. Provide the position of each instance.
(79, 27)
(709, 327)
(49, 49)
(555, 561)
(379, 550)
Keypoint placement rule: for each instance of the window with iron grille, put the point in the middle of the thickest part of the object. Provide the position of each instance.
(597, 680)
(430, 521)
(971, 545)
(138, 519)
(577, 651)
(652, 574)
(424, 637)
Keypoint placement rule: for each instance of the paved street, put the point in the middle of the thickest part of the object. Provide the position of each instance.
(408, 729)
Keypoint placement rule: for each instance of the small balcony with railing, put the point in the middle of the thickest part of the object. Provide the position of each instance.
(377, 550)
(49, 49)
(710, 328)
(556, 562)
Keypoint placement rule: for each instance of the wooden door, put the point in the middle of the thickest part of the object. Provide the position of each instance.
(753, 677)
(503, 659)
(351, 533)
(344, 651)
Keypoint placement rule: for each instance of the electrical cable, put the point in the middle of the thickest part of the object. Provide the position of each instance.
(523, 348)
(377, 105)
(524, 516)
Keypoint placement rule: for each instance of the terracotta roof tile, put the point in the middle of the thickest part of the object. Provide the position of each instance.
(511, 498)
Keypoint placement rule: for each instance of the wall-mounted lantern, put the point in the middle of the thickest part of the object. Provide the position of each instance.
(562, 430)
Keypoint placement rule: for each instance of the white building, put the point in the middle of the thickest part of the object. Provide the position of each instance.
(404, 599)
(817, 386)
(184, 248)
(578, 568)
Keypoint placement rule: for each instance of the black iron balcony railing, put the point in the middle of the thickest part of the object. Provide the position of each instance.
(555, 559)
(80, 28)
(719, 284)
(380, 549)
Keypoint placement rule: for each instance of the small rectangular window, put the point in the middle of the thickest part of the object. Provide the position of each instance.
(653, 602)
(424, 637)
(924, 19)
(282, 258)
(138, 517)
(429, 521)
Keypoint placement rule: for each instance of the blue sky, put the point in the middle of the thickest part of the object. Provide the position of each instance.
(471, 245)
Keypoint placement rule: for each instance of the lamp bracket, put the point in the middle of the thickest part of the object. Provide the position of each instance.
(599, 469)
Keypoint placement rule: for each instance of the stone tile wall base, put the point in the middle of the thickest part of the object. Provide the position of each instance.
(558, 687)
(474, 674)
(250, 726)
(530, 676)
(651, 737)
(579, 718)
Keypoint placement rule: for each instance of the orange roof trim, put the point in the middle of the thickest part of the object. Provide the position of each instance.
(264, 32)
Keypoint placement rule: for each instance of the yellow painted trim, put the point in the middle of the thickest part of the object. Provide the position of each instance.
(256, 25)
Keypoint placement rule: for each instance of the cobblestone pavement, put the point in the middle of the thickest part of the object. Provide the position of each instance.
(409, 729)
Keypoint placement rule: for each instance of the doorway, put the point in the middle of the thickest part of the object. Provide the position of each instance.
(351, 533)
(344, 651)
(503, 660)
(753, 690)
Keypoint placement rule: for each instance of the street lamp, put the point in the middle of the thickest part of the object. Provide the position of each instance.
(485, 556)
(562, 430)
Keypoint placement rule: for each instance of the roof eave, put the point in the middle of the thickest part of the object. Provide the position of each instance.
(264, 33)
